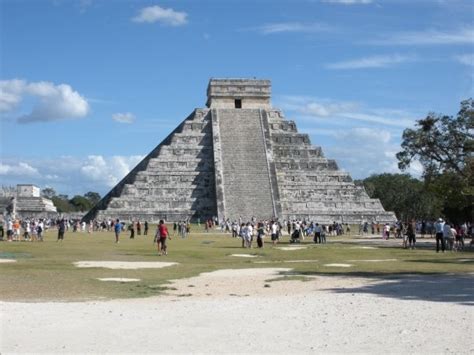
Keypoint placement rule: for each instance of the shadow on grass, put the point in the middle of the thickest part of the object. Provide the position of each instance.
(449, 288)
(443, 261)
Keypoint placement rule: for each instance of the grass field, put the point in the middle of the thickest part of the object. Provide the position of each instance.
(45, 271)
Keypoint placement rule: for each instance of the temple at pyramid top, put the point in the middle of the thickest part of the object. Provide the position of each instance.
(238, 158)
(239, 93)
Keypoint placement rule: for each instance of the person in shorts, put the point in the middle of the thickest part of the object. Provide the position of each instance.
(164, 235)
(9, 230)
(274, 233)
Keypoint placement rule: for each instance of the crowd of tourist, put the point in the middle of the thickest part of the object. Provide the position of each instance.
(448, 236)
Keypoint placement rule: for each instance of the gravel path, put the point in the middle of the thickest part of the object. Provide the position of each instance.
(241, 311)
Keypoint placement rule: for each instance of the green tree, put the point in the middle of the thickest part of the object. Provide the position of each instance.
(440, 143)
(444, 146)
(62, 204)
(80, 203)
(404, 195)
(48, 192)
(93, 197)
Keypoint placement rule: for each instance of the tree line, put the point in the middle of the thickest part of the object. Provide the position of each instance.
(78, 203)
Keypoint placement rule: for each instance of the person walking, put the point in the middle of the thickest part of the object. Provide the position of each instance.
(131, 228)
(163, 230)
(117, 229)
(61, 230)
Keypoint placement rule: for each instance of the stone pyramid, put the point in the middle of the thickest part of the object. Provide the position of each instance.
(238, 158)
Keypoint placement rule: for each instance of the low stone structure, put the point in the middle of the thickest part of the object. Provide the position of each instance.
(25, 201)
(238, 158)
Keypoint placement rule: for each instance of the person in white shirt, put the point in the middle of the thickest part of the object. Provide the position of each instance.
(439, 229)
(274, 233)
(40, 229)
(446, 233)
(26, 234)
(248, 235)
(10, 230)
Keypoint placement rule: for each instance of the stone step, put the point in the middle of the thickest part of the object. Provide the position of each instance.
(246, 181)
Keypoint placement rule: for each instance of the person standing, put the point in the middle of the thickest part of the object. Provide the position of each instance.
(446, 234)
(131, 228)
(386, 231)
(439, 227)
(40, 229)
(317, 233)
(260, 234)
(411, 233)
(16, 230)
(9, 230)
(145, 231)
(242, 234)
(139, 228)
(274, 231)
(27, 231)
(163, 230)
(322, 240)
(117, 230)
(61, 230)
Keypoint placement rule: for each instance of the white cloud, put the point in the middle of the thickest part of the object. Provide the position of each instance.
(463, 35)
(373, 117)
(159, 14)
(108, 171)
(315, 107)
(380, 61)
(363, 140)
(364, 135)
(466, 59)
(349, 2)
(126, 117)
(53, 102)
(364, 151)
(294, 27)
(20, 169)
(344, 111)
(69, 175)
(10, 94)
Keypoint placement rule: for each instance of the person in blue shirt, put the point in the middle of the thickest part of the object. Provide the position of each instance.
(118, 229)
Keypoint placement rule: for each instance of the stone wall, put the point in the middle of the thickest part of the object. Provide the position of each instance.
(174, 182)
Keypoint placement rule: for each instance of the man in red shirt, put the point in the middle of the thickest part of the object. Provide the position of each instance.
(163, 235)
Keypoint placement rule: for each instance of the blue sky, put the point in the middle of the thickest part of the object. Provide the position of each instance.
(89, 87)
